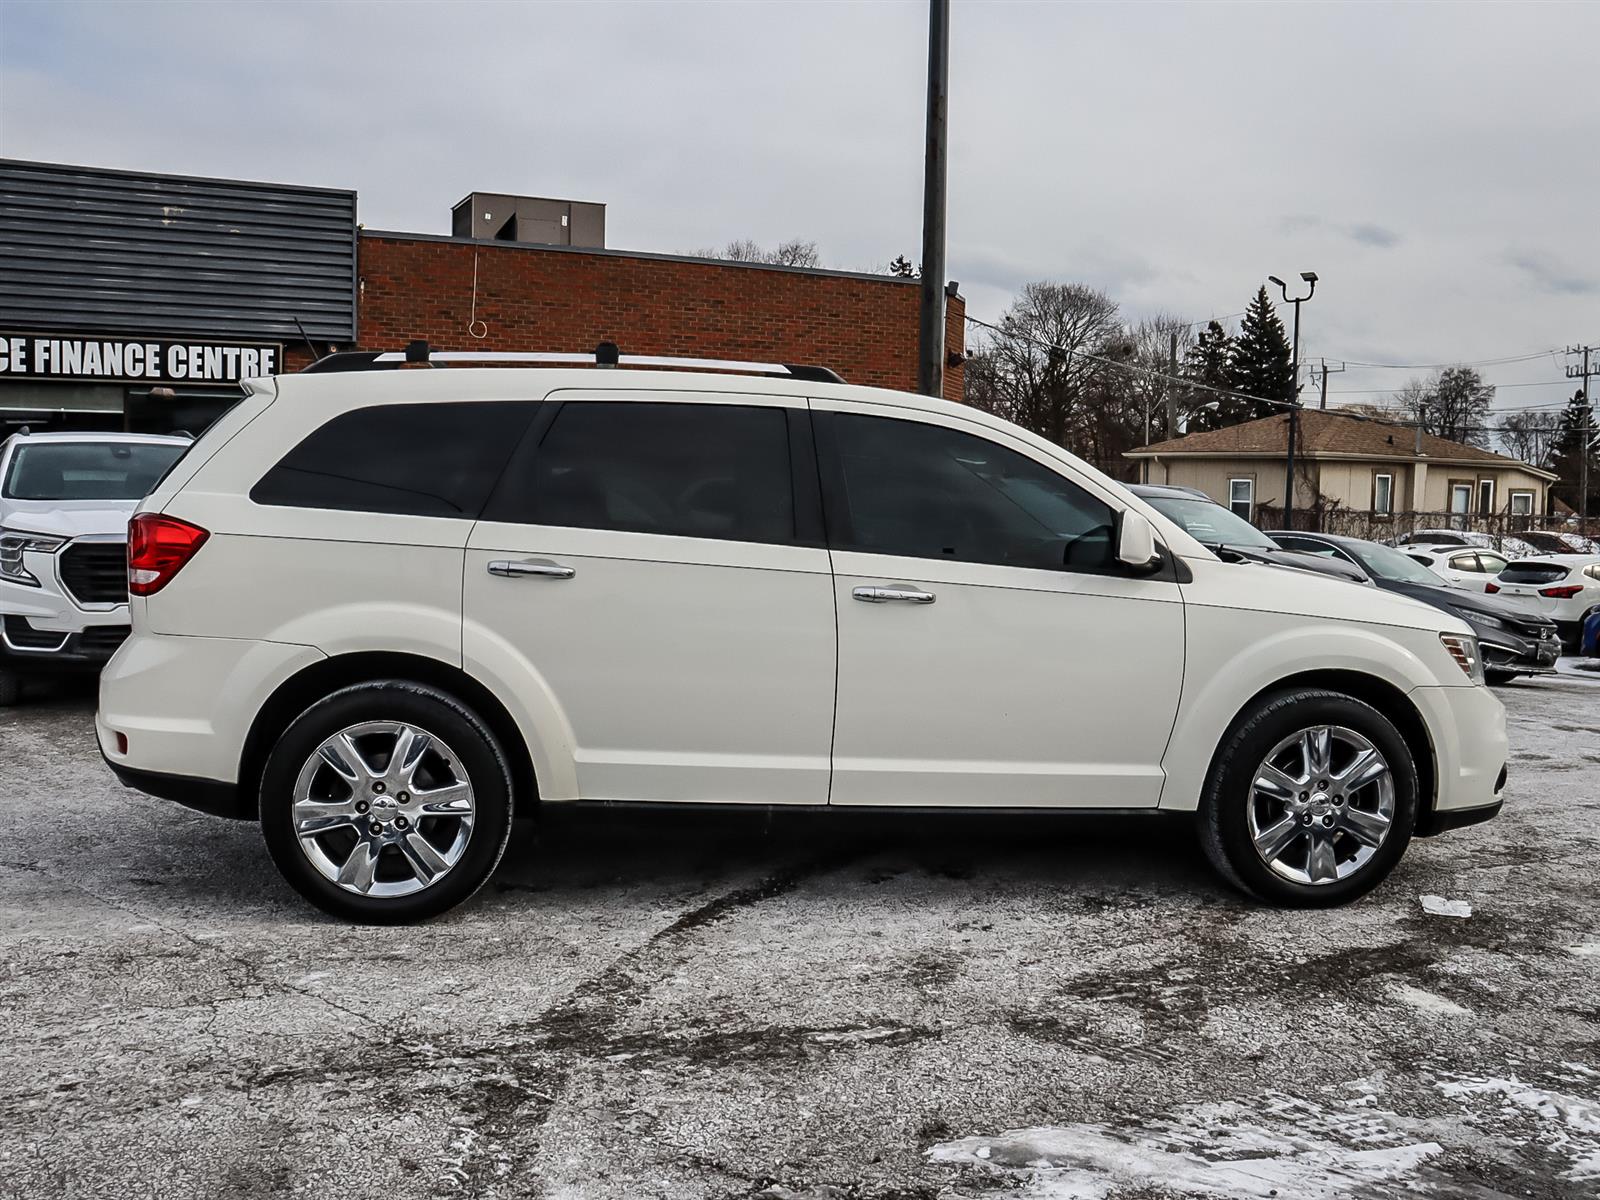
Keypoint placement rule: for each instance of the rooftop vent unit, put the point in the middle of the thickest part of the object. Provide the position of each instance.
(491, 216)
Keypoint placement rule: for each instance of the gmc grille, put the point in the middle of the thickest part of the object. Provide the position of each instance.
(96, 572)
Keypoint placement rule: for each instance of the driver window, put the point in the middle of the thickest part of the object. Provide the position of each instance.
(690, 470)
(925, 491)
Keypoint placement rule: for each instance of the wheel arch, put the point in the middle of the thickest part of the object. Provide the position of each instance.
(1381, 695)
(326, 676)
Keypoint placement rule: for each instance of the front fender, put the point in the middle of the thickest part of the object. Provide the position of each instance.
(1225, 667)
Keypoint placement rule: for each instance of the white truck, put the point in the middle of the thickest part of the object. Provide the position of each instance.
(65, 499)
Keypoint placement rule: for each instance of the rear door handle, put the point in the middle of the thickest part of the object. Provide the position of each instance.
(531, 566)
(903, 592)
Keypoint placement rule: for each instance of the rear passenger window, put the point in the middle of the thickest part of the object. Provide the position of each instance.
(423, 460)
(688, 470)
(925, 491)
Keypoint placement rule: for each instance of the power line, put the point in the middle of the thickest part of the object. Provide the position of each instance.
(1481, 362)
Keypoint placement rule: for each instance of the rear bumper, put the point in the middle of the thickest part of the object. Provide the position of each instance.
(204, 795)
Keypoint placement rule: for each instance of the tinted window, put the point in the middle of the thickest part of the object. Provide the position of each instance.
(1533, 572)
(691, 470)
(88, 470)
(424, 460)
(924, 491)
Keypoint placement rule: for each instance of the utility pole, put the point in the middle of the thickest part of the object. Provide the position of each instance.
(1294, 400)
(1583, 441)
(930, 345)
(1325, 369)
(1172, 392)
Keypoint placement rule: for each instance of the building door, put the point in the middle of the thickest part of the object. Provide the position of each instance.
(985, 632)
(1460, 504)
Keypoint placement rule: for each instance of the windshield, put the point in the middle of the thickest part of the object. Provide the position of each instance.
(1388, 563)
(1210, 524)
(87, 470)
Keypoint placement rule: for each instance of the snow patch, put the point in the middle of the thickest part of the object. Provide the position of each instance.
(1427, 1002)
(1090, 1162)
(1281, 1145)
(1585, 950)
(1572, 1123)
(1438, 906)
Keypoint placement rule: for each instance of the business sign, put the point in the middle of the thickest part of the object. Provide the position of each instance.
(133, 360)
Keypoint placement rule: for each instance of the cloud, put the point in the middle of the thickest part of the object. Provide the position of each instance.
(1373, 235)
(1549, 276)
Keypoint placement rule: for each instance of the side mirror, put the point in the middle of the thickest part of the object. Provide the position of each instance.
(1136, 542)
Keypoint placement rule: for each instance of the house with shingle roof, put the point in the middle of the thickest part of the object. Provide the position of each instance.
(1350, 460)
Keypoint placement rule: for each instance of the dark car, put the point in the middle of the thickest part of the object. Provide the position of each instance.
(1514, 642)
(1229, 536)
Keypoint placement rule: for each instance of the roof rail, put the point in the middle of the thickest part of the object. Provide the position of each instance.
(606, 354)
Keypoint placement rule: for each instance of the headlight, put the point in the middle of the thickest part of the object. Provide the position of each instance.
(14, 543)
(1463, 647)
(1478, 618)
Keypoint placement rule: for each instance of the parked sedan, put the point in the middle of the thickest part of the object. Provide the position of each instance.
(1515, 641)
(1463, 566)
(1564, 588)
(1229, 536)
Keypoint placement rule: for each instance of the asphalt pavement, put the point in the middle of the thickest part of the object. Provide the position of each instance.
(843, 1007)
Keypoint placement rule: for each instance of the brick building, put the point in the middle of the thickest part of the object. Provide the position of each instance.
(137, 301)
(553, 298)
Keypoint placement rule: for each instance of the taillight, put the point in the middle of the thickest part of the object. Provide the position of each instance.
(1491, 588)
(158, 547)
(1566, 592)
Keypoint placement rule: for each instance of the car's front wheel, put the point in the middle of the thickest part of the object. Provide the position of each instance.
(386, 802)
(1311, 800)
(10, 688)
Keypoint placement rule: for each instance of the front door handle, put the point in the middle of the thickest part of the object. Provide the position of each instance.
(531, 566)
(902, 592)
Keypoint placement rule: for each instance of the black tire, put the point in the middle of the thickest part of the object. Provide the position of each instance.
(1223, 821)
(1499, 677)
(479, 755)
(10, 688)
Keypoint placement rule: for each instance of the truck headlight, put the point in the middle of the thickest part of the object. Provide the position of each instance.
(14, 543)
(1463, 647)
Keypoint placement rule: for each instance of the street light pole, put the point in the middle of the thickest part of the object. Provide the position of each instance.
(1294, 400)
(930, 340)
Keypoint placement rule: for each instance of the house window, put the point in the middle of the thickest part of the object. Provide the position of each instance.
(1485, 496)
(1242, 497)
(1383, 494)
(1522, 504)
(1460, 504)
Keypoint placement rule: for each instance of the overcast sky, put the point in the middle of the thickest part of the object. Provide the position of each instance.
(1438, 165)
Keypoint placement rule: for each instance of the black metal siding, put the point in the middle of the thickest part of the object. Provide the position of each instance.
(90, 250)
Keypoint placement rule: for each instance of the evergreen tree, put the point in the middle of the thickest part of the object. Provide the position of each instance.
(1567, 458)
(1207, 362)
(1261, 363)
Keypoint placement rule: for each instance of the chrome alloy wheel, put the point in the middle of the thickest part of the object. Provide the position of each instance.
(383, 809)
(1321, 804)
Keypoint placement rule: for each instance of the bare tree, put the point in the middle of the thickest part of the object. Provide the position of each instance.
(1035, 368)
(793, 253)
(1454, 404)
(1530, 436)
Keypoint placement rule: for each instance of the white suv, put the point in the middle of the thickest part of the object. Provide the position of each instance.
(378, 611)
(65, 499)
(1563, 587)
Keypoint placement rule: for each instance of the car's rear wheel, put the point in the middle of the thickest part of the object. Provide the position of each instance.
(386, 802)
(1311, 801)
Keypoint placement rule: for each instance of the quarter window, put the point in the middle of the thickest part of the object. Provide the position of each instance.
(686, 470)
(925, 491)
(424, 460)
(1242, 497)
